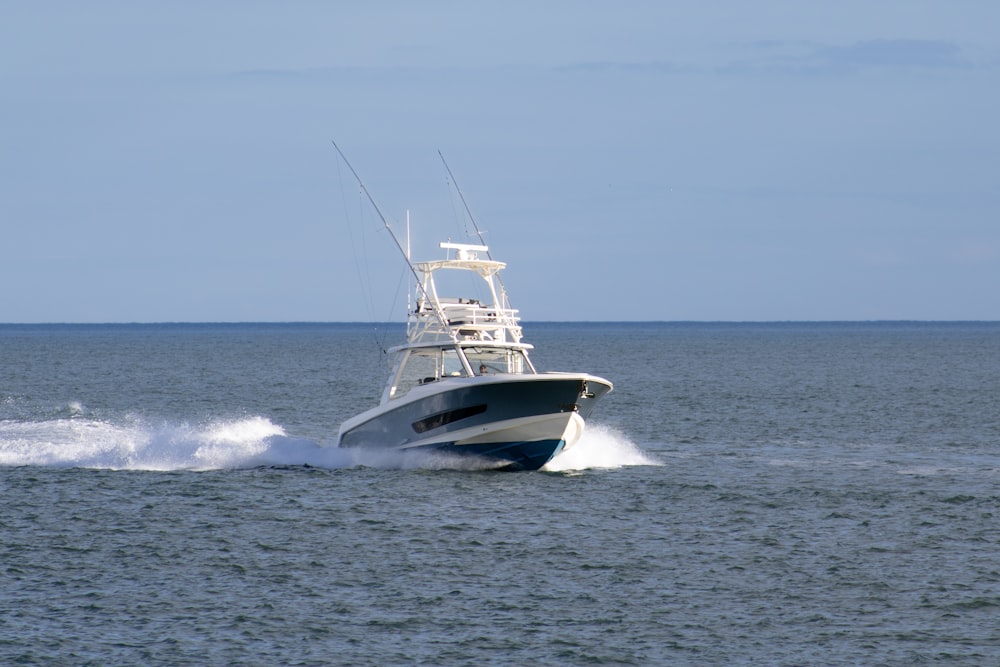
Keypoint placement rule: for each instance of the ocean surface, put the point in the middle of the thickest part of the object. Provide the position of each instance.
(766, 494)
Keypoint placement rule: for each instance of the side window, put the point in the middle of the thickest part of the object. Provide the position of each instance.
(423, 366)
(419, 366)
(451, 365)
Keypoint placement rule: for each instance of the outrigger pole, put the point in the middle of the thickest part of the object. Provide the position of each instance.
(475, 225)
(378, 210)
(465, 204)
(399, 246)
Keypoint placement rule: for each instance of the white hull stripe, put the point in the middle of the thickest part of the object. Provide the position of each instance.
(565, 426)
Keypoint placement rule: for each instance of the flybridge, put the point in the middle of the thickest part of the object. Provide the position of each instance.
(437, 318)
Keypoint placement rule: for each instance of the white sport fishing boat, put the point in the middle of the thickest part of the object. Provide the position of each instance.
(463, 383)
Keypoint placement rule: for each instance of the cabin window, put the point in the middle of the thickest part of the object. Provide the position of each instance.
(444, 418)
(424, 366)
(451, 364)
(493, 361)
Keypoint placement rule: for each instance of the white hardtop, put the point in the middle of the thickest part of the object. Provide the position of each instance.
(466, 257)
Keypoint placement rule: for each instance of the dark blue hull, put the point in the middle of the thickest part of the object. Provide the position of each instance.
(516, 422)
(509, 456)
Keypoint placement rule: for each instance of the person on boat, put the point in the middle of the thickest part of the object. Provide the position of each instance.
(482, 369)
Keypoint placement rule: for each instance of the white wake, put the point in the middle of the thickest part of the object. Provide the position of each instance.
(77, 442)
(600, 447)
(87, 443)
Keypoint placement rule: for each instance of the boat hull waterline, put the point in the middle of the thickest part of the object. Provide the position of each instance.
(509, 423)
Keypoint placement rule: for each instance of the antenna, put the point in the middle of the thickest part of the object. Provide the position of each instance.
(407, 257)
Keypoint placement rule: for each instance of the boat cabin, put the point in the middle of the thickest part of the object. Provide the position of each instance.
(416, 366)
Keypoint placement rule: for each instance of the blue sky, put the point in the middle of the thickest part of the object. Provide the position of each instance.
(630, 161)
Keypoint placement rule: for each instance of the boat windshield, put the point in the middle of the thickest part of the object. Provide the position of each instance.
(490, 361)
(430, 364)
(424, 365)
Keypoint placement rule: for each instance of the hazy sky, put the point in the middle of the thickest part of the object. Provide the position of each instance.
(629, 160)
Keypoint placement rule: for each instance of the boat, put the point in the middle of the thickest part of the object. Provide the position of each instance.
(463, 383)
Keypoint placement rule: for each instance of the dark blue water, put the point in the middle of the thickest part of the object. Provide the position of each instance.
(776, 494)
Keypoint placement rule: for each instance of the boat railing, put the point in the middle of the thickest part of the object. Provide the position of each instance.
(478, 315)
(467, 319)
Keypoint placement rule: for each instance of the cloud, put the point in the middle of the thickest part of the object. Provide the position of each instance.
(803, 57)
(649, 67)
(885, 54)
(895, 53)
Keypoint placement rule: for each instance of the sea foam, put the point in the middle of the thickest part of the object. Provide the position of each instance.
(88, 443)
(248, 443)
(600, 447)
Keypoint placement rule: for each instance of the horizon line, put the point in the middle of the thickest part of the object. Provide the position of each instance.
(523, 322)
